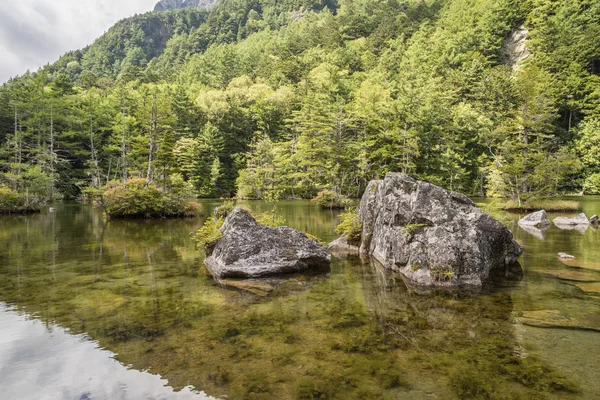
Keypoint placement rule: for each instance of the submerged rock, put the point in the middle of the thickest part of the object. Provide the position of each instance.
(538, 219)
(572, 275)
(565, 256)
(431, 235)
(554, 319)
(251, 250)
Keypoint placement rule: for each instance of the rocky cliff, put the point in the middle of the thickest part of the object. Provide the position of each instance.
(167, 5)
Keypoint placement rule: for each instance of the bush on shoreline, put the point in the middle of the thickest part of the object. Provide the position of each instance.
(137, 199)
(12, 202)
(328, 199)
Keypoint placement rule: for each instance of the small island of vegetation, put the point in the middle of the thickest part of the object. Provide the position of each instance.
(136, 198)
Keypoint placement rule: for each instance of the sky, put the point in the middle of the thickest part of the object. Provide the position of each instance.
(36, 32)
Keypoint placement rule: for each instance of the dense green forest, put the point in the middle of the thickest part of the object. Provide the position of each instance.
(282, 99)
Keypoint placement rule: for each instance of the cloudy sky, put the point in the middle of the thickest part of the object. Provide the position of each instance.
(35, 32)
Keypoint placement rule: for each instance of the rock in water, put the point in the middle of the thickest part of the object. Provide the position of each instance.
(565, 256)
(580, 219)
(431, 235)
(251, 250)
(341, 247)
(537, 219)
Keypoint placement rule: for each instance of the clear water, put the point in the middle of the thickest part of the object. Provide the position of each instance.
(96, 309)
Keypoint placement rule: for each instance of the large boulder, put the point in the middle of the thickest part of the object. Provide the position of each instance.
(251, 250)
(431, 235)
(538, 219)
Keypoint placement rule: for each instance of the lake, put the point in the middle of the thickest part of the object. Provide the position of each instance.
(97, 309)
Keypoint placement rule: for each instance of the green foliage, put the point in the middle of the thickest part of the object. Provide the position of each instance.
(350, 226)
(137, 199)
(592, 184)
(270, 218)
(330, 199)
(442, 272)
(260, 99)
(208, 235)
(224, 209)
(13, 202)
(411, 229)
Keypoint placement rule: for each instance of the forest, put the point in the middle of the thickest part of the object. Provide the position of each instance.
(267, 99)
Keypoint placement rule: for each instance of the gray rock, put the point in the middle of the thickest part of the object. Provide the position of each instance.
(580, 219)
(538, 219)
(168, 5)
(514, 49)
(565, 256)
(431, 235)
(594, 220)
(562, 221)
(341, 247)
(251, 250)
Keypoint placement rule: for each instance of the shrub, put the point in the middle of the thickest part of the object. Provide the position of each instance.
(592, 184)
(350, 226)
(209, 234)
(9, 200)
(224, 209)
(330, 199)
(270, 218)
(14, 202)
(137, 199)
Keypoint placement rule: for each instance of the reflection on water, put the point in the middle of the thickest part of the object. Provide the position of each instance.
(39, 361)
(137, 289)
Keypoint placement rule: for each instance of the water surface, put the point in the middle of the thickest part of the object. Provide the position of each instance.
(96, 309)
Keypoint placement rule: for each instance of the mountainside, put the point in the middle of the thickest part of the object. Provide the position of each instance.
(281, 99)
(167, 5)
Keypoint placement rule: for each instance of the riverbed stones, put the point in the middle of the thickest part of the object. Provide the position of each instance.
(251, 250)
(433, 236)
(538, 219)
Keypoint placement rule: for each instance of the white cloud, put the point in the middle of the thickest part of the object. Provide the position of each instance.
(36, 32)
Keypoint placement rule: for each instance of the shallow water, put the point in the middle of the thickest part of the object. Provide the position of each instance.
(95, 309)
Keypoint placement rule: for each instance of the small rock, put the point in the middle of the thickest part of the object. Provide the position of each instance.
(594, 219)
(341, 247)
(565, 256)
(580, 219)
(538, 219)
(562, 221)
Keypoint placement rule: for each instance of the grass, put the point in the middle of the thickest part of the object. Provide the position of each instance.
(537, 205)
(531, 206)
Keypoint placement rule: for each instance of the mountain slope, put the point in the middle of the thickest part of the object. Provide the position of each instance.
(167, 5)
(285, 98)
